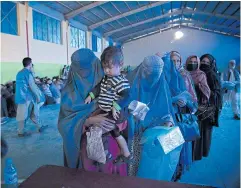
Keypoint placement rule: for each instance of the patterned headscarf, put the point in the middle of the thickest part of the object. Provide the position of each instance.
(175, 53)
(199, 77)
(186, 76)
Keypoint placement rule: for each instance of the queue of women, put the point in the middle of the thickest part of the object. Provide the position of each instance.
(174, 91)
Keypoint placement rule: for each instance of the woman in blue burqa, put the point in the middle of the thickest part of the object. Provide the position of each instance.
(148, 85)
(85, 72)
(182, 101)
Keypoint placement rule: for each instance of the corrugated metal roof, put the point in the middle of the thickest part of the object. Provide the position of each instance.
(124, 20)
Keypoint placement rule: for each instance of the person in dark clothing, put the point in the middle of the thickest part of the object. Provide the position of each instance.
(9, 96)
(208, 66)
(201, 146)
(12, 107)
(14, 86)
(4, 108)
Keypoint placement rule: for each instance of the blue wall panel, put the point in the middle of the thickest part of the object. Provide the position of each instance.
(9, 22)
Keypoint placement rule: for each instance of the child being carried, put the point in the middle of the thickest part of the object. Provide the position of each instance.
(113, 95)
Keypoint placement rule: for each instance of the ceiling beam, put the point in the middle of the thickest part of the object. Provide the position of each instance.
(143, 22)
(83, 9)
(210, 30)
(160, 26)
(183, 26)
(126, 14)
(186, 11)
(149, 34)
(142, 32)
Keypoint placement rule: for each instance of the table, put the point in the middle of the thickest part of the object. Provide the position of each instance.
(62, 177)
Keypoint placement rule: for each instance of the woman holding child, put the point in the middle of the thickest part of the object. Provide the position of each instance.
(75, 116)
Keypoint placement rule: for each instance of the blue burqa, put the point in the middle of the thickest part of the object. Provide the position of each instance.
(85, 72)
(172, 76)
(178, 91)
(148, 85)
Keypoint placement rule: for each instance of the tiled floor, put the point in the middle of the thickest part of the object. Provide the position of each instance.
(220, 169)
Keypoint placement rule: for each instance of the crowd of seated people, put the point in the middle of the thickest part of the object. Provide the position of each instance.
(50, 87)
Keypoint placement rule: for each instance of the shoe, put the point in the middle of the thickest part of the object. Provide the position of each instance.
(25, 134)
(236, 117)
(122, 159)
(42, 128)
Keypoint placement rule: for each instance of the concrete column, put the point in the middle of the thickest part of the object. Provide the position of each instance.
(103, 44)
(66, 37)
(89, 40)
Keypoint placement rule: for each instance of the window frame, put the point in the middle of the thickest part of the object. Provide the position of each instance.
(53, 28)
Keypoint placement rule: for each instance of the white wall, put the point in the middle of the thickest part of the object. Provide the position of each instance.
(223, 48)
(14, 48)
(47, 57)
(47, 52)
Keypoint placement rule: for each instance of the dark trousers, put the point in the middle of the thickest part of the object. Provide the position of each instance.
(11, 106)
(201, 146)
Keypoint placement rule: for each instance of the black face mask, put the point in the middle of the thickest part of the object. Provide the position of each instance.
(204, 67)
(192, 67)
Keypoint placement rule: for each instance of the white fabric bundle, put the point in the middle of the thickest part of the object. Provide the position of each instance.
(94, 147)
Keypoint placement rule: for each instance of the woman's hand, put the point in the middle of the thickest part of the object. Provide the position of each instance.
(88, 100)
(105, 123)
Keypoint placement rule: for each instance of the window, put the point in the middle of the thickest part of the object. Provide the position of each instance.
(46, 28)
(78, 38)
(96, 44)
(9, 22)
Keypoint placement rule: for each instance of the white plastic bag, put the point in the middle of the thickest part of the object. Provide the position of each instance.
(171, 140)
(138, 109)
(94, 147)
(158, 159)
